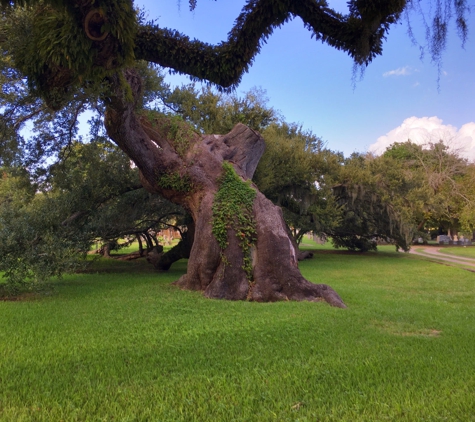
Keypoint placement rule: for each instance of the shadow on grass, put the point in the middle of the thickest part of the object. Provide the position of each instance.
(96, 265)
(110, 273)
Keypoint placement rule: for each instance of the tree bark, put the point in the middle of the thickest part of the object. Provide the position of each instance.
(186, 168)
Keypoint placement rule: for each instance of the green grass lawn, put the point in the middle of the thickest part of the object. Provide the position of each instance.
(309, 244)
(134, 247)
(467, 251)
(121, 344)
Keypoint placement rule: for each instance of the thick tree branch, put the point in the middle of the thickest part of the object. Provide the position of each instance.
(359, 34)
(124, 126)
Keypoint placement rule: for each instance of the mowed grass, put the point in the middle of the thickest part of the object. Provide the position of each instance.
(463, 251)
(122, 344)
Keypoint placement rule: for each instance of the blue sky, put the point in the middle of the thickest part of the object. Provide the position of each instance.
(311, 83)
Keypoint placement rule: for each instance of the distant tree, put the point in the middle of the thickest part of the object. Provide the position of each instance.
(103, 196)
(466, 217)
(297, 172)
(402, 194)
(370, 192)
(94, 196)
(30, 229)
(442, 194)
(211, 111)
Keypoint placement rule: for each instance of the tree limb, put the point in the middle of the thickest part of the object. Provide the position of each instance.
(359, 34)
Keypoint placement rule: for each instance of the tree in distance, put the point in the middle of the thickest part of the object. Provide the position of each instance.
(77, 50)
(442, 196)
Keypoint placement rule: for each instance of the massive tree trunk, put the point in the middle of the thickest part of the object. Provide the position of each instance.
(256, 260)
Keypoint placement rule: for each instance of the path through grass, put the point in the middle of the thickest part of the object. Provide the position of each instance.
(122, 344)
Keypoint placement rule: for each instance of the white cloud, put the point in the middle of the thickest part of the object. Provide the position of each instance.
(402, 71)
(422, 130)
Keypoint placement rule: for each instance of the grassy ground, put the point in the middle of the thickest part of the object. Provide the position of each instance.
(133, 247)
(464, 251)
(309, 244)
(121, 344)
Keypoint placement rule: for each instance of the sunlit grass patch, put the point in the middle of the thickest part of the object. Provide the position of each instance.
(463, 251)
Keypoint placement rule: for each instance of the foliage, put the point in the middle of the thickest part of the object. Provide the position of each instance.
(103, 195)
(441, 193)
(35, 246)
(52, 44)
(371, 193)
(32, 135)
(93, 196)
(436, 25)
(21, 109)
(213, 112)
(232, 210)
(174, 129)
(466, 216)
(409, 191)
(297, 172)
(16, 187)
(174, 181)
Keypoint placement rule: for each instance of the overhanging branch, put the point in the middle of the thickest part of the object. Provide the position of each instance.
(360, 34)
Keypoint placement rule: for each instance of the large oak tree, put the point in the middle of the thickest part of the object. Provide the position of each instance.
(242, 248)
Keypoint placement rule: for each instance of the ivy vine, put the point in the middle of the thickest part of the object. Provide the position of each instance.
(232, 209)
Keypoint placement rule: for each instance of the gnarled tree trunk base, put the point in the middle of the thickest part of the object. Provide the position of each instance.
(219, 274)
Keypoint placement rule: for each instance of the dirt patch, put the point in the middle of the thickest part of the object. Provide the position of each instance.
(22, 297)
(405, 329)
(424, 333)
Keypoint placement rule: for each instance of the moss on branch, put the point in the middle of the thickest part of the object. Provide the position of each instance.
(359, 33)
